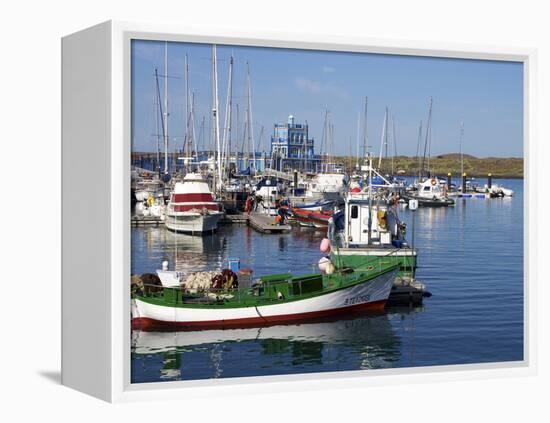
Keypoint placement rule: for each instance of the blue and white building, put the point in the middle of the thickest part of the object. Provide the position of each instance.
(292, 149)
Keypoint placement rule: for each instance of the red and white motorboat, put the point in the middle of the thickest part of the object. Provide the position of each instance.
(192, 208)
(317, 219)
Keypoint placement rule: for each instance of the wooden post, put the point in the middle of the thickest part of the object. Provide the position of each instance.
(463, 182)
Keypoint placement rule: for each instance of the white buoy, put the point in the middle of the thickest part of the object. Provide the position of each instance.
(165, 265)
(323, 263)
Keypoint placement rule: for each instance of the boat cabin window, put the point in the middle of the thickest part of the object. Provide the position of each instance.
(426, 188)
(354, 212)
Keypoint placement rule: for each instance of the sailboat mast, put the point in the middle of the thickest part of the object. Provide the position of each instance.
(156, 105)
(428, 129)
(187, 105)
(227, 125)
(365, 130)
(394, 142)
(418, 151)
(250, 127)
(461, 151)
(165, 107)
(215, 116)
(386, 134)
(193, 140)
(357, 143)
(383, 138)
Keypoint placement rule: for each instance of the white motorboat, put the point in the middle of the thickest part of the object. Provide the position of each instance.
(192, 208)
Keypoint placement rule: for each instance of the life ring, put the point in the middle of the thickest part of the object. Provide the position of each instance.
(434, 182)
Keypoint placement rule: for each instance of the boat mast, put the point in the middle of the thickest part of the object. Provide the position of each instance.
(200, 142)
(258, 145)
(428, 130)
(418, 150)
(394, 140)
(324, 139)
(369, 224)
(156, 105)
(194, 139)
(166, 107)
(357, 142)
(461, 152)
(383, 138)
(215, 116)
(161, 112)
(365, 132)
(249, 119)
(386, 134)
(227, 125)
(187, 108)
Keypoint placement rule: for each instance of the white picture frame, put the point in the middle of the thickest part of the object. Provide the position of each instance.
(95, 206)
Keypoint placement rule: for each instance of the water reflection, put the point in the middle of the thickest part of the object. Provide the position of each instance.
(365, 342)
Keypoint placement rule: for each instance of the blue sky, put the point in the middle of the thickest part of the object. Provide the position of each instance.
(486, 95)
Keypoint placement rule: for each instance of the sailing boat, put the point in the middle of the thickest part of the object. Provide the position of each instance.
(429, 191)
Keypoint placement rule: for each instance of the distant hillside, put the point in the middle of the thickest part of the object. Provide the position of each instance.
(499, 167)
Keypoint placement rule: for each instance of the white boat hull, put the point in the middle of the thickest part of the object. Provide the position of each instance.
(193, 223)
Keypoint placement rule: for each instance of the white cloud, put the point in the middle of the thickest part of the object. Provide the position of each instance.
(316, 87)
(304, 84)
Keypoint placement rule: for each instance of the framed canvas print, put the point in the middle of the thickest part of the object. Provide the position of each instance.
(268, 211)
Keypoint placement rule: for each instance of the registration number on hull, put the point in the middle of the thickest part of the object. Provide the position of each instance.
(357, 299)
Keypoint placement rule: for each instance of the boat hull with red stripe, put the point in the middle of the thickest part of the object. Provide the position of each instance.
(318, 219)
(367, 293)
(192, 208)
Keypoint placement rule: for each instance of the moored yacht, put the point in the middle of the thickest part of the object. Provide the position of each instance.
(192, 208)
(431, 193)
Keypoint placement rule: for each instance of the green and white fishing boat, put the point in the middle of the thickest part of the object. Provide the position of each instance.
(369, 227)
(274, 299)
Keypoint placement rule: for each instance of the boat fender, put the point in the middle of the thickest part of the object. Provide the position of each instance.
(325, 245)
(280, 295)
(323, 263)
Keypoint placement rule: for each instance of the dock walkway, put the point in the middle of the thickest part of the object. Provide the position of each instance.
(266, 224)
(146, 220)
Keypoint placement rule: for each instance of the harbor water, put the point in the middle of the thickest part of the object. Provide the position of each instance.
(470, 258)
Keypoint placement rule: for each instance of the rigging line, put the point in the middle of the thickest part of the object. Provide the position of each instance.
(260, 314)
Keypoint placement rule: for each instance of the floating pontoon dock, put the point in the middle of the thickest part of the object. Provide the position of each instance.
(265, 224)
